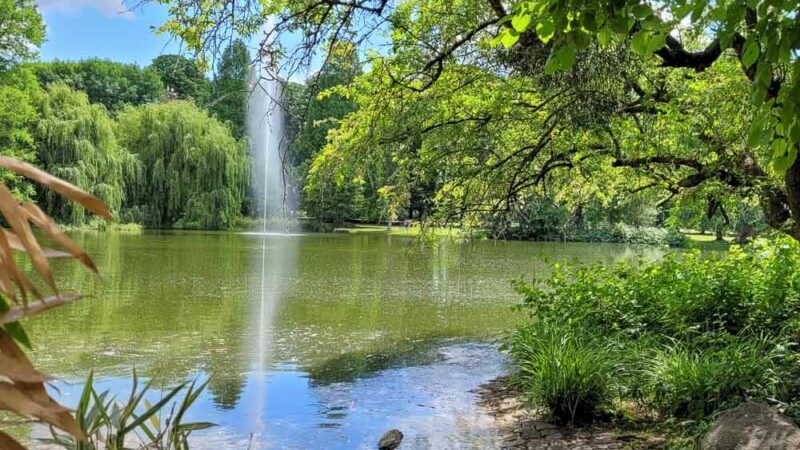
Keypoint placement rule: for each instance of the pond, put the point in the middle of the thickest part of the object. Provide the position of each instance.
(309, 341)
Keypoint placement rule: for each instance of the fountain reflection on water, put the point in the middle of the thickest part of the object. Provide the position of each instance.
(272, 204)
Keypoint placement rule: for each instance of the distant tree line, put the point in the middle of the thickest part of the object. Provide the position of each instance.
(161, 145)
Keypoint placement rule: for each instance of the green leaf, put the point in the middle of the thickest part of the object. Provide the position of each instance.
(545, 30)
(194, 426)
(589, 21)
(604, 36)
(681, 11)
(759, 94)
(657, 42)
(750, 52)
(697, 12)
(757, 134)
(15, 330)
(779, 148)
(152, 410)
(794, 133)
(619, 24)
(652, 23)
(509, 38)
(566, 56)
(764, 74)
(640, 41)
(642, 11)
(783, 155)
(580, 39)
(552, 65)
(520, 22)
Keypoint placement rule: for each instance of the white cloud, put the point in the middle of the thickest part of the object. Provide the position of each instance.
(109, 8)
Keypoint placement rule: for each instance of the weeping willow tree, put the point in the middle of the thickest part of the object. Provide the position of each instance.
(76, 142)
(196, 172)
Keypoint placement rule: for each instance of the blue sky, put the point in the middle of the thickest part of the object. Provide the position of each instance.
(78, 29)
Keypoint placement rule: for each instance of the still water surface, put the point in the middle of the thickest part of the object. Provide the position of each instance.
(312, 341)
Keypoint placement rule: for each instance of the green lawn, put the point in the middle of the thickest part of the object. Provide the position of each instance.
(708, 241)
(400, 230)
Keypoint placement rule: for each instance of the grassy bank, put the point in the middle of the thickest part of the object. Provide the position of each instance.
(412, 231)
(680, 340)
(133, 228)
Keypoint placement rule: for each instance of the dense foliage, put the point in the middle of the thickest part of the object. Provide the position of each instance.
(483, 104)
(23, 31)
(169, 165)
(686, 336)
(195, 172)
(321, 110)
(182, 78)
(110, 83)
(76, 142)
(230, 89)
(19, 94)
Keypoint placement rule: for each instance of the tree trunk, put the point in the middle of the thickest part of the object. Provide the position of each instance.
(747, 232)
(720, 237)
(792, 182)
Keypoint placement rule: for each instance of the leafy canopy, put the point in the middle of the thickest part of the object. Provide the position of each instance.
(23, 31)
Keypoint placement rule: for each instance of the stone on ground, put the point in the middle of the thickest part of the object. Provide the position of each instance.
(752, 426)
(390, 440)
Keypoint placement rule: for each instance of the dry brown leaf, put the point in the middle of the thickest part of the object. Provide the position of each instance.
(49, 226)
(67, 190)
(17, 218)
(18, 398)
(19, 278)
(17, 370)
(20, 312)
(8, 443)
(14, 364)
(6, 285)
(10, 348)
(22, 388)
(16, 244)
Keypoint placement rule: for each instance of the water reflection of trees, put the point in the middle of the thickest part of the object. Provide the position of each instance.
(175, 304)
(169, 304)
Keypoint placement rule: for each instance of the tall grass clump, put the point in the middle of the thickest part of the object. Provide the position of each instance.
(690, 384)
(568, 371)
(691, 335)
(110, 423)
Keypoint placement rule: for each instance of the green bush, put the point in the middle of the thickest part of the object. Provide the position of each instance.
(685, 295)
(688, 383)
(568, 371)
(697, 332)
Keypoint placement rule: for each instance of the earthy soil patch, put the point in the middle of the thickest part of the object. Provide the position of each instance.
(525, 428)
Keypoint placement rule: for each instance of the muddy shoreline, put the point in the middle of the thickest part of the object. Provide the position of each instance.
(522, 427)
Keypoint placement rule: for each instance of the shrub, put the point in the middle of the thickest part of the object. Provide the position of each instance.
(691, 383)
(695, 332)
(684, 295)
(569, 372)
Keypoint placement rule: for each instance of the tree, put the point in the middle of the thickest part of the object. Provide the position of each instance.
(318, 109)
(182, 78)
(229, 102)
(196, 174)
(23, 31)
(659, 97)
(113, 84)
(19, 95)
(75, 141)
